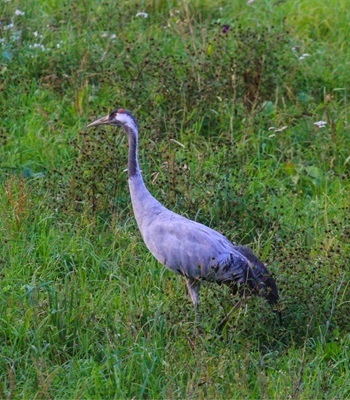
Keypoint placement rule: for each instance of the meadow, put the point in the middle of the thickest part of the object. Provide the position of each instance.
(243, 112)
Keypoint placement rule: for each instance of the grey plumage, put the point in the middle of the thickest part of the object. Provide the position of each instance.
(188, 248)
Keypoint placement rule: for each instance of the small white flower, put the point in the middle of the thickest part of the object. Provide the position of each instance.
(9, 26)
(104, 34)
(303, 56)
(320, 124)
(37, 35)
(37, 46)
(58, 45)
(113, 36)
(249, 2)
(19, 12)
(142, 14)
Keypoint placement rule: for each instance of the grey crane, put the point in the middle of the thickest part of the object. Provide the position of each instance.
(186, 247)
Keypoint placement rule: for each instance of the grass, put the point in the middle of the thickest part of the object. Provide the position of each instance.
(226, 101)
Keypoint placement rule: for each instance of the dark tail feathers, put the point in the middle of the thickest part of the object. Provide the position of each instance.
(259, 278)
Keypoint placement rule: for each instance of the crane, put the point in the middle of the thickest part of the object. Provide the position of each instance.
(186, 247)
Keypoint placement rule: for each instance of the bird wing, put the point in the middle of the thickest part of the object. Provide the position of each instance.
(194, 250)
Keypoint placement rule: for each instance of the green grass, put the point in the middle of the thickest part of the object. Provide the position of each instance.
(227, 138)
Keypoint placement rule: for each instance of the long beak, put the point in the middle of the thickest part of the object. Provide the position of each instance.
(101, 121)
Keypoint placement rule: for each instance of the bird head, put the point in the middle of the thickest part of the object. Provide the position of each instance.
(119, 117)
(270, 292)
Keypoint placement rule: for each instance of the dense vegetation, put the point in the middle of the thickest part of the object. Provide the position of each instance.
(230, 99)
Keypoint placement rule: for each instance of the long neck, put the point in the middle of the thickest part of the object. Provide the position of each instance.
(145, 206)
(133, 162)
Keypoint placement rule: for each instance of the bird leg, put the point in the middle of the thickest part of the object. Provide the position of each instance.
(193, 287)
